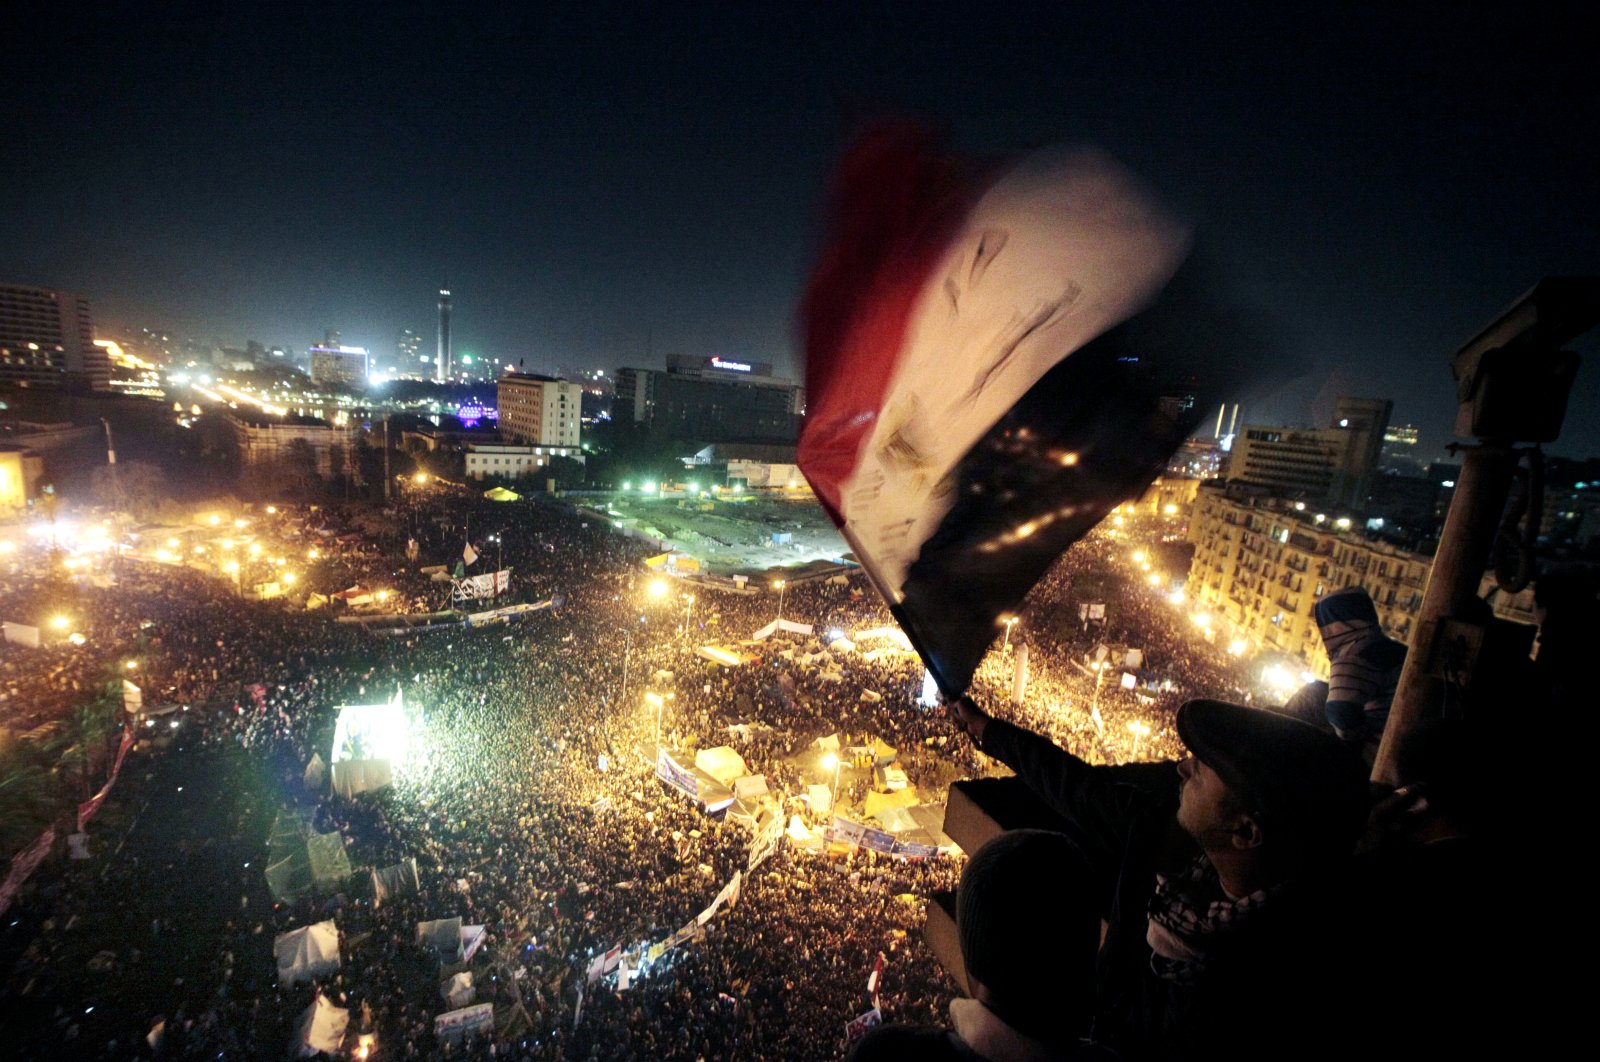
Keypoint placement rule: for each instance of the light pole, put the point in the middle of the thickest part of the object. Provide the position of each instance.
(832, 760)
(780, 585)
(688, 609)
(1099, 679)
(661, 703)
(1139, 730)
(627, 651)
(1009, 621)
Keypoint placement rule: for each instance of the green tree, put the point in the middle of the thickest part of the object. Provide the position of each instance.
(30, 800)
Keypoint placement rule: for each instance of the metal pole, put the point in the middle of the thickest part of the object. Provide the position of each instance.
(1458, 566)
(627, 651)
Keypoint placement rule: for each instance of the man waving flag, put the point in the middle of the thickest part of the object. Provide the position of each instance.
(994, 360)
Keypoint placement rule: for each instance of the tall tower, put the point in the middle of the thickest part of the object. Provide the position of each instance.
(441, 361)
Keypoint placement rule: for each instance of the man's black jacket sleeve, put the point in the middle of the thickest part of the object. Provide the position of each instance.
(1103, 804)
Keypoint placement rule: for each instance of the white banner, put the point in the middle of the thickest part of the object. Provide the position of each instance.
(769, 834)
(132, 698)
(479, 587)
(456, 1025)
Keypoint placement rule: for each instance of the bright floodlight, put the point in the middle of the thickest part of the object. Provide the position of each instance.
(1278, 678)
(658, 588)
(830, 761)
(372, 732)
(60, 623)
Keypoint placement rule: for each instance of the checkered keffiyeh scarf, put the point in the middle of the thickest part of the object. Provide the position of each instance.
(1191, 917)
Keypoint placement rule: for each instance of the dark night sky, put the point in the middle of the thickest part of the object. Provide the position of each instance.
(1380, 179)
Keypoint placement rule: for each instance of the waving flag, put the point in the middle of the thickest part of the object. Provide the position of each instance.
(469, 555)
(994, 360)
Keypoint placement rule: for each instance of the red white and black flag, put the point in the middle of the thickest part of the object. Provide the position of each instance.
(875, 980)
(995, 358)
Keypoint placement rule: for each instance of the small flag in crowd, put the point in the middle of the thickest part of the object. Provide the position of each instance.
(874, 979)
(468, 555)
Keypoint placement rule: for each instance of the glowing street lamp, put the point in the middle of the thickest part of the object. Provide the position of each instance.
(1009, 622)
(833, 762)
(660, 703)
(60, 623)
(1140, 730)
(658, 588)
(780, 586)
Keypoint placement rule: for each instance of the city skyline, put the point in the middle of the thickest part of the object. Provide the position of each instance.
(604, 193)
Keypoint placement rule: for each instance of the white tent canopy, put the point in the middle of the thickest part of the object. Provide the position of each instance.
(721, 763)
(321, 1029)
(307, 953)
(457, 991)
(441, 936)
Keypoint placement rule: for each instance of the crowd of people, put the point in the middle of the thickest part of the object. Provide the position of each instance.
(531, 805)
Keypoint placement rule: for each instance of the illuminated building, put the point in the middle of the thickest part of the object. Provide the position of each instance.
(47, 340)
(508, 461)
(1332, 466)
(408, 351)
(539, 410)
(19, 472)
(339, 366)
(1399, 453)
(711, 399)
(442, 366)
(1263, 563)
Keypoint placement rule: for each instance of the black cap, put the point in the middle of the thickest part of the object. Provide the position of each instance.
(1294, 776)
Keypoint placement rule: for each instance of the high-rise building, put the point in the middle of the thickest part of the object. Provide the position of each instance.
(1332, 465)
(47, 340)
(540, 410)
(339, 366)
(711, 399)
(1399, 452)
(442, 366)
(408, 353)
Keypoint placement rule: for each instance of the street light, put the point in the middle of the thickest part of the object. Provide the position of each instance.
(1139, 730)
(779, 586)
(688, 609)
(627, 651)
(833, 761)
(658, 588)
(1009, 621)
(1099, 680)
(660, 702)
